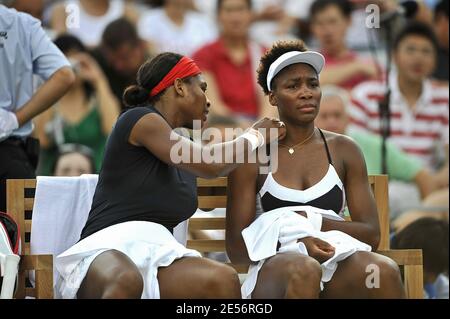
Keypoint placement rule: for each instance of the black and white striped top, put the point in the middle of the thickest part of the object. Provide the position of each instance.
(328, 193)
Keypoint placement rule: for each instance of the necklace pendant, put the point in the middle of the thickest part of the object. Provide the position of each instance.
(291, 151)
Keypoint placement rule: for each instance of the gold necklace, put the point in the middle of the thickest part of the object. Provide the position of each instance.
(291, 148)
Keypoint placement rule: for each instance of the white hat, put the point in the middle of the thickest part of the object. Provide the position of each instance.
(314, 59)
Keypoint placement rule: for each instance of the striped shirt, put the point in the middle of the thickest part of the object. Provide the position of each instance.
(421, 132)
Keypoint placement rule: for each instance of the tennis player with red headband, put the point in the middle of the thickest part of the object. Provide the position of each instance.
(127, 248)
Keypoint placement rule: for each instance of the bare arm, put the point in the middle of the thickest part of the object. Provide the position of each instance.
(153, 133)
(108, 104)
(426, 183)
(131, 13)
(361, 203)
(47, 95)
(58, 18)
(241, 210)
(441, 176)
(40, 122)
(344, 72)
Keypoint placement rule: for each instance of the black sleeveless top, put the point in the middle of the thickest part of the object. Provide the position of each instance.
(327, 194)
(134, 185)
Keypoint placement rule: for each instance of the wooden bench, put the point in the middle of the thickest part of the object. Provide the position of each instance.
(211, 194)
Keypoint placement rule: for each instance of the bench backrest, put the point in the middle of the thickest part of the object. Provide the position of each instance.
(211, 194)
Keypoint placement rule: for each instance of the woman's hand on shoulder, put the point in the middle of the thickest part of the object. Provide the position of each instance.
(271, 128)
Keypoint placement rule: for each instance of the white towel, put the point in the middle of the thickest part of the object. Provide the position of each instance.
(61, 208)
(286, 226)
(148, 245)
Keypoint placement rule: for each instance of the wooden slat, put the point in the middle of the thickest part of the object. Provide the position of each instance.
(36, 262)
(29, 183)
(216, 182)
(404, 256)
(28, 203)
(212, 202)
(27, 223)
(20, 292)
(203, 223)
(379, 185)
(30, 292)
(15, 204)
(44, 277)
(206, 245)
(414, 281)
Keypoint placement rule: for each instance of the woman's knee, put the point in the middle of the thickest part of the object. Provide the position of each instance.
(385, 275)
(388, 269)
(127, 283)
(377, 269)
(221, 281)
(112, 275)
(305, 272)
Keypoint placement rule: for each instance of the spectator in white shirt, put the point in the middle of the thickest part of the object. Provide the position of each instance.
(87, 19)
(418, 108)
(176, 28)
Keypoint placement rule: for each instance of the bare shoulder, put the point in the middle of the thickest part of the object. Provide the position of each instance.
(339, 140)
(343, 147)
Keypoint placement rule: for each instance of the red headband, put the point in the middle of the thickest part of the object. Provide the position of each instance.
(183, 69)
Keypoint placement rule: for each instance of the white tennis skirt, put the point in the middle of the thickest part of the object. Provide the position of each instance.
(148, 245)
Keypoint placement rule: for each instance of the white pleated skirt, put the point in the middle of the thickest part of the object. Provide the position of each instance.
(148, 245)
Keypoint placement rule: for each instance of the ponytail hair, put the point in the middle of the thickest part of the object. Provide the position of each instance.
(150, 74)
(135, 95)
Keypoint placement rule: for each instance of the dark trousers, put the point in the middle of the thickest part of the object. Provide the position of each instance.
(14, 163)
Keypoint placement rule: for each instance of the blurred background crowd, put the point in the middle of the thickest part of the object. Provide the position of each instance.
(107, 40)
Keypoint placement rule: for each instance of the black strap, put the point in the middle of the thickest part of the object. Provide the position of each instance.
(326, 147)
(324, 140)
